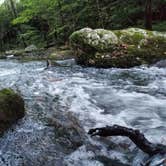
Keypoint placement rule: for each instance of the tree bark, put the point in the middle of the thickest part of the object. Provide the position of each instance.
(148, 14)
(13, 8)
(135, 135)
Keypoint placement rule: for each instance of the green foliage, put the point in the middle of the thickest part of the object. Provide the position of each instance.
(52, 21)
(160, 26)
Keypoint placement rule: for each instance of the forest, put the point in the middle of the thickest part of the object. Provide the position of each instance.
(44, 22)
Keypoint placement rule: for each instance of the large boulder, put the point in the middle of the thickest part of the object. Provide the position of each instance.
(11, 108)
(118, 48)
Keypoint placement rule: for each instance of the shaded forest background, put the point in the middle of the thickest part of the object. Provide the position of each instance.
(50, 22)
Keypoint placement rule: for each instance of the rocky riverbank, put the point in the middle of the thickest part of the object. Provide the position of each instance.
(118, 48)
(32, 53)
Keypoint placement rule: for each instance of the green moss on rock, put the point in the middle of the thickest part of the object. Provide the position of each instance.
(11, 108)
(118, 48)
(98, 39)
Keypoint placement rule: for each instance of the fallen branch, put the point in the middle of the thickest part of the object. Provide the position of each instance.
(135, 135)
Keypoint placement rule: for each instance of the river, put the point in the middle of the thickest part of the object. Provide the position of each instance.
(133, 97)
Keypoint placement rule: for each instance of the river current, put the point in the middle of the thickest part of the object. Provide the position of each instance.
(133, 97)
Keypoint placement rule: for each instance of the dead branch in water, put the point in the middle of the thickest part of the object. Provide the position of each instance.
(135, 135)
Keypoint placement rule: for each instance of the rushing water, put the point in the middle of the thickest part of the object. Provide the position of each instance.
(133, 97)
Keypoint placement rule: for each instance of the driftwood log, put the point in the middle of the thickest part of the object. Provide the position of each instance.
(135, 135)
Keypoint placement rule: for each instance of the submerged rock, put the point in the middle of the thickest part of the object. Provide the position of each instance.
(11, 108)
(68, 131)
(118, 48)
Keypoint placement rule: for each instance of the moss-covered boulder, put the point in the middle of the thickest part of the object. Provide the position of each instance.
(118, 48)
(11, 108)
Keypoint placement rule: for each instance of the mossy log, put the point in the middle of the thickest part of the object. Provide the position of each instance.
(118, 48)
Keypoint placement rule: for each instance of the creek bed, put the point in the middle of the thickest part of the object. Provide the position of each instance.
(133, 97)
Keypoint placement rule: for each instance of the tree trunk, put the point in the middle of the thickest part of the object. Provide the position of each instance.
(13, 8)
(148, 14)
(14, 12)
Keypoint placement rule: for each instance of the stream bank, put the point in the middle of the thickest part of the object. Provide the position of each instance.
(51, 53)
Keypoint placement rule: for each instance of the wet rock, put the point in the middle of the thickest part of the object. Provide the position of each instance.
(31, 48)
(11, 108)
(58, 54)
(67, 62)
(68, 131)
(118, 48)
(161, 64)
(60, 63)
